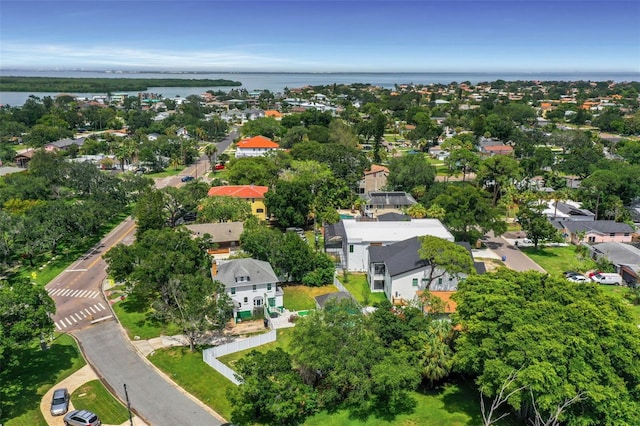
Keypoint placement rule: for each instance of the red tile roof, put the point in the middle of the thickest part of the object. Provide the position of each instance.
(375, 168)
(238, 191)
(449, 304)
(258, 142)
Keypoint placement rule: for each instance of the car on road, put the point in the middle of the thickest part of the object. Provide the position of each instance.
(578, 278)
(60, 402)
(81, 418)
(187, 178)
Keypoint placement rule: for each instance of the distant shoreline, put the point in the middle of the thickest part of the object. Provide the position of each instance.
(96, 84)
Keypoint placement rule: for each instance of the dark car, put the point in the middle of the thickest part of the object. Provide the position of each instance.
(60, 402)
(81, 418)
(187, 178)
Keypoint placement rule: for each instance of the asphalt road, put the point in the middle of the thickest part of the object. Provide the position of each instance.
(152, 397)
(514, 258)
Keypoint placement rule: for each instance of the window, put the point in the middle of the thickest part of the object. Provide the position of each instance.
(269, 287)
(414, 282)
(259, 210)
(233, 290)
(254, 288)
(592, 239)
(612, 234)
(350, 248)
(439, 280)
(246, 300)
(626, 234)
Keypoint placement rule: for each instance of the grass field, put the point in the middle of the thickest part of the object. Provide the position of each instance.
(133, 316)
(190, 372)
(25, 382)
(359, 287)
(300, 297)
(283, 341)
(556, 260)
(93, 396)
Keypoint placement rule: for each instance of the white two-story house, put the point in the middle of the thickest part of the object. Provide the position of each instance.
(250, 283)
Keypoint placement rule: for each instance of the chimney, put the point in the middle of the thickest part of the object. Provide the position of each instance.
(214, 269)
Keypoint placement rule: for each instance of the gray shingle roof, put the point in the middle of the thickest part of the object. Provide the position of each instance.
(619, 253)
(393, 217)
(600, 226)
(339, 295)
(220, 232)
(389, 199)
(258, 271)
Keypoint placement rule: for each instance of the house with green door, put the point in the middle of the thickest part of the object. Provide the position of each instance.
(250, 284)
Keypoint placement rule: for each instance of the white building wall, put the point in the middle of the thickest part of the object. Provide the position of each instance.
(246, 290)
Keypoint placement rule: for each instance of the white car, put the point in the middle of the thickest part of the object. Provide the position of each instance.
(578, 278)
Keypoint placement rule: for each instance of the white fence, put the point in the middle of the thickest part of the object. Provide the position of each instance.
(210, 355)
(338, 284)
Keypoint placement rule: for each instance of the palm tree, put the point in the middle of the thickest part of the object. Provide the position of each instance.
(211, 151)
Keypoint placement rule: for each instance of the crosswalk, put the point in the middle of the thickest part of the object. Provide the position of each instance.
(69, 292)
(90, 313)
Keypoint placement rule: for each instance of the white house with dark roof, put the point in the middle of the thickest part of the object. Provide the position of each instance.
(569, 210)
(351, 239)
(250, 283)
(625, 257)
(398, 271)
(382, 201)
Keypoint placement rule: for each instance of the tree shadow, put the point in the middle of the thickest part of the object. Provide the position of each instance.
(24, 381)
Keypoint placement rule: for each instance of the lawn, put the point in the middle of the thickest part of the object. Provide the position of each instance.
(452, 405)
(190, 372)
(300, 297)
(93, 396)
(25, 382)
(283, 341)
(359, 287)
(557, 259)
(133, 315)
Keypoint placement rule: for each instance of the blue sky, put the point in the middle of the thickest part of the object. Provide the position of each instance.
(322, 36)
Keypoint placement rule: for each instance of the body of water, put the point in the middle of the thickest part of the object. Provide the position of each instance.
(277, 82)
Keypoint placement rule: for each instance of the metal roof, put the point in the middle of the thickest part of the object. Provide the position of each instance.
(391, 232)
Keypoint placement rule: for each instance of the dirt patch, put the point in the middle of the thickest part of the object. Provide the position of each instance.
(491, 264)
(244, 327)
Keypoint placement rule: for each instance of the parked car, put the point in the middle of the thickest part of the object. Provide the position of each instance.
(568, 274)
(578, 278)
(81, 418)
(604, 278)
(60, 402)
(187, 178)
(219, 167)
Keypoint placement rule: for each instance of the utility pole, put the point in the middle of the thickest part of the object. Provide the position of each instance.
(126, 396)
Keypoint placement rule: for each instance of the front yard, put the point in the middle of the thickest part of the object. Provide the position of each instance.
(300, 297)
(557, 259)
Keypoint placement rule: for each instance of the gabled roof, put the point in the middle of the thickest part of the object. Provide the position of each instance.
(338, 295)
(221, 232)
(63, 143)
(257, 142)
(258, 271)
(238, 191)
(375, 168)
(599, 226)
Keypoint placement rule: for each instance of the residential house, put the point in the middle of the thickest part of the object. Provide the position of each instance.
(568, 210)
(63, 144)
(252, 193)
(250, 284)
(22, 159)
(595, 231)
(392, 201)
(256, 146)
(625, 257)
(350, 240)
(275, 114)
(438, 153)
(397, 270)
(225, 235)
(374, 179)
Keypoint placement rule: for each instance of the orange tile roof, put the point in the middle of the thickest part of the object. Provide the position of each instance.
(258, 142)
(375, 168)
(238, 191)
(272, 113)
(498, 148)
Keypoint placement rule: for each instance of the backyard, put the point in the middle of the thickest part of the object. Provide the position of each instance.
(358, 286)
(300, 297)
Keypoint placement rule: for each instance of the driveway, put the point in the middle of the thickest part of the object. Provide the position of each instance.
(513, 257)
(155, 398)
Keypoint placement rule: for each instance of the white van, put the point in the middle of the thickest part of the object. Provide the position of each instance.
(605, 278)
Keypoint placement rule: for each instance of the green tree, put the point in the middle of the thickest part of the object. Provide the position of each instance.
(271, 391)
(496, 173)
(409, 172)
(563, 338)
(532, 219)
(443, 257)
(265, 126)
(224, 209)
(211, 151)
(289, 202)
(252, 171)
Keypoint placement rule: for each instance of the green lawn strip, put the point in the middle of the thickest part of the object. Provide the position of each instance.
(359, 287)
(451, 405)
(283, 341)
(190, 372)
(300, 297)
(557, 259)
(166, 173)
(134, 317)
(93, 396)
(25, 382)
